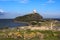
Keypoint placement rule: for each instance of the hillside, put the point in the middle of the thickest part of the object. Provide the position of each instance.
(29, 17)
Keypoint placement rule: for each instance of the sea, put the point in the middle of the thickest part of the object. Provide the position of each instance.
(11, 23)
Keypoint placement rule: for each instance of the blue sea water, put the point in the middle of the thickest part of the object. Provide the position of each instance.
(10, 23)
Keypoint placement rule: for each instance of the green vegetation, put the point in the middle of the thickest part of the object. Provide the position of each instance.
(33, 19)
(36, 19)
(9, 34)
(29, 17)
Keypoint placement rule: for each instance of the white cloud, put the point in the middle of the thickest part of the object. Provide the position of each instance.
(1, 10)
(24, 1)
(21, 1)
(50, 1)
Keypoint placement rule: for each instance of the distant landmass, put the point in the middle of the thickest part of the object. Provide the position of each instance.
(29, 17)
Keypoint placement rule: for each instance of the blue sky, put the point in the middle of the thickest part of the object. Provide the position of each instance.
(14, 8)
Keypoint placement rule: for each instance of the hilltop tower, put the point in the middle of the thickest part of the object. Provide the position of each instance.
(34, 11)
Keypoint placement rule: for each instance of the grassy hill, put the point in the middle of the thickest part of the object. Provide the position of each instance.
(29, 17)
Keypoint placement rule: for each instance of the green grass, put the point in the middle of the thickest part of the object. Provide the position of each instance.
(48, 35)
(11, 39)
